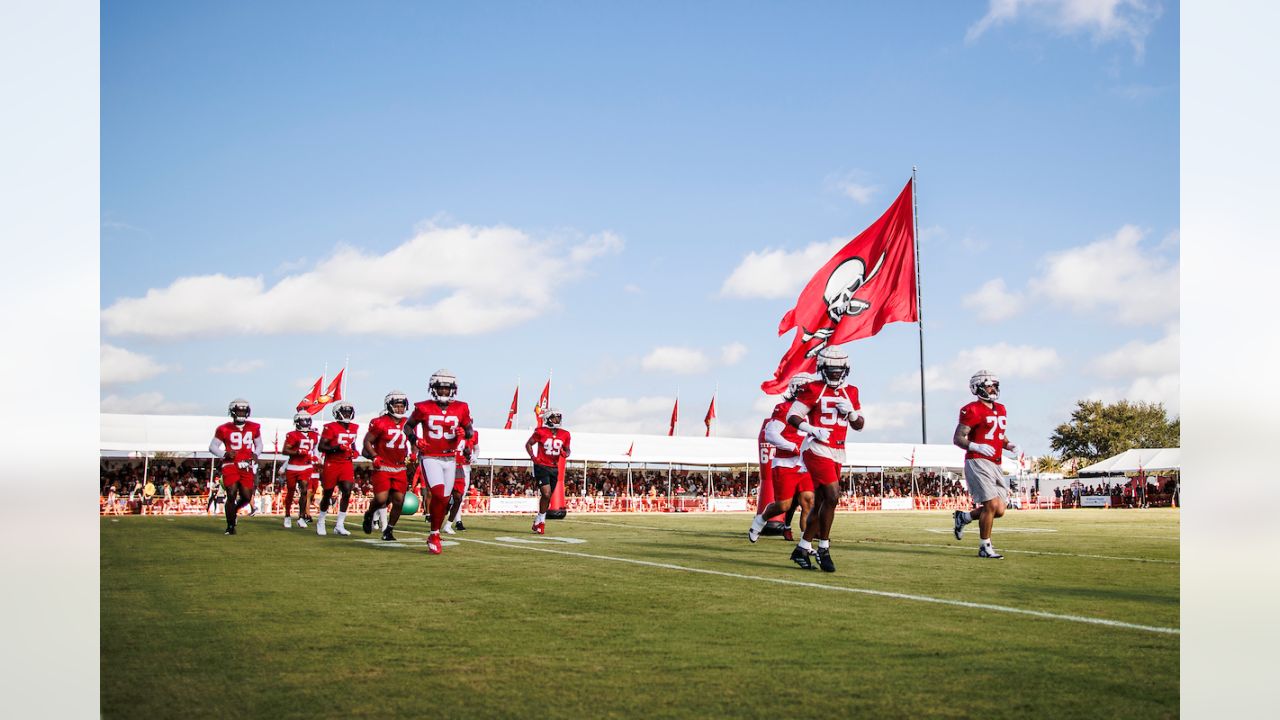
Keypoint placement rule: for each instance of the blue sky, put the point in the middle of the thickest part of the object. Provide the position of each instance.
(632, 196)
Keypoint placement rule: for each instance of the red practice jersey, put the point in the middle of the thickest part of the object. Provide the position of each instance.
(243, 441)
(304, 442)
(335, 434)
(390, 447)
(552, 444)
(788, 433)
(462, 459)
(820, 401)
(441, 427)
(986, 427)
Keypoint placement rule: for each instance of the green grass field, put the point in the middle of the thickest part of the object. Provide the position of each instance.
(280, 623)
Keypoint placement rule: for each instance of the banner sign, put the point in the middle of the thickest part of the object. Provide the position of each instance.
(513, 504)
(728, 504)
(897, 503)
(1095, 500)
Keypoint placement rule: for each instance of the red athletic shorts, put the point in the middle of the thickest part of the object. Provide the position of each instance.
(787, 480)
(313, 480)
(297, 476)
(232, 475)
(334, 473)
(461, 477)
(384, 481)
(822, 470)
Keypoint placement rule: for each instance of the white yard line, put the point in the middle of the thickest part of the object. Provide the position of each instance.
(837, 588)
(931, 545)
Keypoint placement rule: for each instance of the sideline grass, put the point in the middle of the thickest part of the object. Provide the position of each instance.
(282, 623)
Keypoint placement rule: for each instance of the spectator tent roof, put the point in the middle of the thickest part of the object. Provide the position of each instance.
(1136, 460)
(191, 434)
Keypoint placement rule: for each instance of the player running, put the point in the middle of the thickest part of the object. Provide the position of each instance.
(386, 445)
(299, 444)
(552, 443)
(980, 433)
(461, 482)
(445, 423)
(338, 443)
(238, 443)
(787, 472)
(824, 410)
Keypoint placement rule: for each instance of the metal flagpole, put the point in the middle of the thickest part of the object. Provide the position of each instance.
(915, 219)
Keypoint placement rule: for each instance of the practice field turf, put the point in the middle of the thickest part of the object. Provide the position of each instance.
(643, 615)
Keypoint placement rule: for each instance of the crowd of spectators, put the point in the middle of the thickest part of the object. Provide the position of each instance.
(1156, 491)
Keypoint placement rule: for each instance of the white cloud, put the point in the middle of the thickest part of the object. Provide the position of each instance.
(151, 403)
(122, 366)
(456, 280)
(1159, 388)
(778, 273)
(679, 360)
(993, 301)
(891, 415)
(852, 185)
(1102, 20)
(1003, 359)
(1116, 275)
(1137, 358)
(237, 367)
(732, 353)
(646, 415)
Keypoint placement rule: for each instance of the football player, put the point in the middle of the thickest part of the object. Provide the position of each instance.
(338, 443)
(461, 483)
(445, 424)
(788, 474)
(824, 410)
(552, 446)
(981, 433)
(386, 445)
(238, 443)
(299, 444)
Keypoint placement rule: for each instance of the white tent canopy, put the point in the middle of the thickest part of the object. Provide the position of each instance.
(1136, 460)
(191, 434)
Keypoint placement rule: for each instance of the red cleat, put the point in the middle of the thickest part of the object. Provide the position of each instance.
(786, 535)
(540, 528)
(433, 544)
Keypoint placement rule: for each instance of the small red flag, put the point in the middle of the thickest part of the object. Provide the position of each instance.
(632, 448)
(675, 415)
(878, 267)
(544, 401)
(515, 404)
(711, 415)
(311, 398)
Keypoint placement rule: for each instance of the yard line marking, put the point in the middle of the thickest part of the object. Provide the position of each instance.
(840, 588)
(933, 545)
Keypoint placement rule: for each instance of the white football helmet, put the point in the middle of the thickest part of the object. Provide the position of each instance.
(833, 366)
(396, 403)
(443, 385)
(797, 381)
(552, 418)
(302, 421)
(238, 409)
(343, 411)
(985, 385)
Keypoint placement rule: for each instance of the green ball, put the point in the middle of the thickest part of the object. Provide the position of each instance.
(410, 504)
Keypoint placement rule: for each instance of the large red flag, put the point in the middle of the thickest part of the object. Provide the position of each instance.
(544, 401)
(870, 282)
(675, 415)
(515, 404)
(309, 401)
(334, 392)
(711, 415)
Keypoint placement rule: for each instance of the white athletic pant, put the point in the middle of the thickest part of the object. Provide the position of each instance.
(439, 471)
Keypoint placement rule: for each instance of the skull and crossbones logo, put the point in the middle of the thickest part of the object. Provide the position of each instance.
(846, 279)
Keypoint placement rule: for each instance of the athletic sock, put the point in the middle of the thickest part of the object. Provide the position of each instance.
(540, 518)
(342, 518)
(965, 516)
(804, 545)
(824, 544)
(758, 523)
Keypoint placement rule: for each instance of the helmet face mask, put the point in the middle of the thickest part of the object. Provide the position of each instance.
(833, 366)
(343, 411)
(985, 385)
(552, 418)
(301, 421)
(239, 411)
(396, 403)
(443, 386)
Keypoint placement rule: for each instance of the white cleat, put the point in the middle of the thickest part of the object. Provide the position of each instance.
(320, 526)
(341, 529)
(288, 521)
(753, 534)
(448, 528)
(991, 554)
(958, 520)
(302, 522)
(377, 522)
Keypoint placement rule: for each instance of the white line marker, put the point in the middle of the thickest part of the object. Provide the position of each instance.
(840, 588)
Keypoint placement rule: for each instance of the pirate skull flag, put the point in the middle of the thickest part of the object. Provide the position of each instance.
(869, 282)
